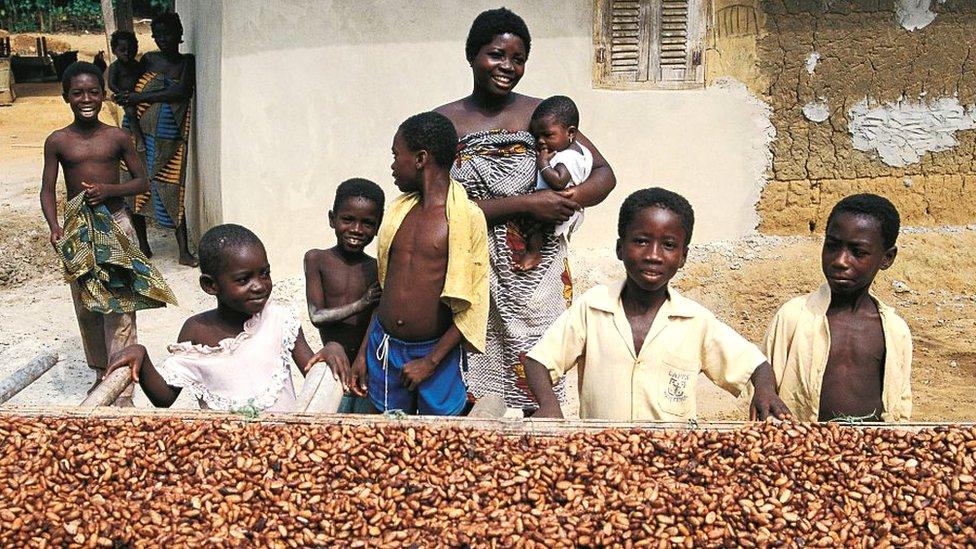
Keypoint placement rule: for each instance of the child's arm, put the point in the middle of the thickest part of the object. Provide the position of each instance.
(96, 193)
(136, 359)
(180, 91)
(765, 402)
(358, 384)
(419, 369)
(540, 383)
(558, 176)
(49, 199)
(113, 79)
(320, 315)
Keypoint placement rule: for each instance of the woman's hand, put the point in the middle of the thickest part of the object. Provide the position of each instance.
(550, 206)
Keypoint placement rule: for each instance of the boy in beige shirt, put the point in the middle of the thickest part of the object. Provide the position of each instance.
(638, 343)
(840, 352)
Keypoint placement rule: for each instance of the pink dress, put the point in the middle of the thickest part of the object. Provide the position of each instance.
(250, 372)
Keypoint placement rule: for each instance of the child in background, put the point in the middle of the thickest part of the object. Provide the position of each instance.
(433, 265)
(562, 162)
(238, 356)
(341, 285)
(839, 351)
(640, 345)
(123, 75)
(108, 287)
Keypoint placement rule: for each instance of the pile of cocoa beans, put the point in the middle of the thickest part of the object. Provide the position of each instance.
(158, 481)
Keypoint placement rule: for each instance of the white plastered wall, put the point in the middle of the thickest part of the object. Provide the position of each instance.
(312, 92)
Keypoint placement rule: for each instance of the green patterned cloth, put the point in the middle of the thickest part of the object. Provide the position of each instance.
(111, 272)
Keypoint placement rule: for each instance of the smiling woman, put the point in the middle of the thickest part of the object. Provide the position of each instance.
(497, 166)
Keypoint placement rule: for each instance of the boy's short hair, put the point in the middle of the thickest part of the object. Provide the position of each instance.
(656, 197)
(560, 107)
(121, 35)
(360, 187)
(490, 24)
(432, 132)
(218, 240)
(878, 207)
(78, 68)
(169, 19)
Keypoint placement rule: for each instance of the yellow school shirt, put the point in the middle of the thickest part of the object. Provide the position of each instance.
(798, 345)
(616, 383)
(466, 281)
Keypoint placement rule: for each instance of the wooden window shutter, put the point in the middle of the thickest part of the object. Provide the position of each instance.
(649, 43)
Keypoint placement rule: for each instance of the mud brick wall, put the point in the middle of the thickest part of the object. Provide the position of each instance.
(865, 52)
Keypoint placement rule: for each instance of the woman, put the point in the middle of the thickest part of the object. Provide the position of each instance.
(163, 96)
(497, 165)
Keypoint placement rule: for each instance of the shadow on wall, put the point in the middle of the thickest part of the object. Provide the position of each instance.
(347, 22)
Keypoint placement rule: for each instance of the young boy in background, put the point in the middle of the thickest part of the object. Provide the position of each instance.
(123, 75)
(341, 286)
(840, 352)
(433, 266)
(640, 345)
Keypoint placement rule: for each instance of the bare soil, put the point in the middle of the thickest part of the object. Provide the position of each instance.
(743, 282)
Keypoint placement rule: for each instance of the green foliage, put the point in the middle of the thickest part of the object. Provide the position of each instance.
(65, 15)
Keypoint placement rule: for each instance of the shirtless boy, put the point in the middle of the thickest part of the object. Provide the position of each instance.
(89, 152)
(340, 283)
(433, 267)
(840, 352)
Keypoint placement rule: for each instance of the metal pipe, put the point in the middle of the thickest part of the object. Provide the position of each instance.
(109, 389)
(26, 375)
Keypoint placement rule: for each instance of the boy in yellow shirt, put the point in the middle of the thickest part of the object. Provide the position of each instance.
(839, 351)
(640, 345)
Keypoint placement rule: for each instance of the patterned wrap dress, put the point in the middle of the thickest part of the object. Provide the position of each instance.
(495, 164)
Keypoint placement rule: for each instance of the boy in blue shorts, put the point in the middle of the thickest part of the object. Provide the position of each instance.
(432, 264)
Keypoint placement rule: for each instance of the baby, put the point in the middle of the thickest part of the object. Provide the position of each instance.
(562, 163)
(236, 357)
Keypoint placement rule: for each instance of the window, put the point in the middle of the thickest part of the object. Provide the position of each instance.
(648, 44)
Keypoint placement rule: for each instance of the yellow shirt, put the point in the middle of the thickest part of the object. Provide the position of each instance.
(616, 383)
(798, 345)
(466, 281)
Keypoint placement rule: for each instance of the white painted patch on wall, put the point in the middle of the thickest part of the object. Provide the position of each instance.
(761, 163)
(812, 61)
(903, 132)
(914, 14)
(817, 110)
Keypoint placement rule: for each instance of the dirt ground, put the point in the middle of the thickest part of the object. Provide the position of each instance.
(744, 282)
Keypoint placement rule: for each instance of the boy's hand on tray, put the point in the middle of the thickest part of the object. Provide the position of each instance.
(357, 382)
(335, 357)
(416, 371)
(131, 358)
(767, 404)
(546, 411)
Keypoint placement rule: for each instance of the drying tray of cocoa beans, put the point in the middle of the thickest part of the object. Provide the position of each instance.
(108, 477)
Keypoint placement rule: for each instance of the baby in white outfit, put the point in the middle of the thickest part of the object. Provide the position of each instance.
(562, 162)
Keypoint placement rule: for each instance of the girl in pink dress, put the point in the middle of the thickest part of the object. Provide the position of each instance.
(238, 356)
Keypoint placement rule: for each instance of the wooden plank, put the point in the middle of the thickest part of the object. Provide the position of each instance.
(109, 389)
(26, 375)
(510, 426)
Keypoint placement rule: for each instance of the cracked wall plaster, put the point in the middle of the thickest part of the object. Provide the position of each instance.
(914, 14)
(817, 111)
(902, 132)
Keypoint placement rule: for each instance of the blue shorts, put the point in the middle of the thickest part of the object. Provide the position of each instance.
(441, 394)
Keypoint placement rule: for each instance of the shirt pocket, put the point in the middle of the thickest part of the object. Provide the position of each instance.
(676, 393)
